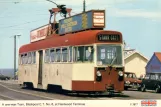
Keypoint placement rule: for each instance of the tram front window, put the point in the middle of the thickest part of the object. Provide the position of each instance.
(109, 54)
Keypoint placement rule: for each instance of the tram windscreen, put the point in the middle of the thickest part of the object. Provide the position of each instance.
(109, 54)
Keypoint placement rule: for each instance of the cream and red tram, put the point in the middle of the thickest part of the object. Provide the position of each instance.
(83, 61)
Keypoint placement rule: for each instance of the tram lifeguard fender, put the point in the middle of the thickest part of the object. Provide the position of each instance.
(80, 38)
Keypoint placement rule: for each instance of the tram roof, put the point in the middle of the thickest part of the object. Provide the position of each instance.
(79, 38)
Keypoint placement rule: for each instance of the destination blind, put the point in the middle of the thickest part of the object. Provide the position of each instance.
(109, 37)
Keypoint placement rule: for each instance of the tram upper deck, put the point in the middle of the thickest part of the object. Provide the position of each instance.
(74, 39)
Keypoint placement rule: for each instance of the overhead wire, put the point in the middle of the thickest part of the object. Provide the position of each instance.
(23, 15)
(22, 23)
(20, 1)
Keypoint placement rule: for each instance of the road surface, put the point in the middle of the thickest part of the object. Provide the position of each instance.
(12, 91)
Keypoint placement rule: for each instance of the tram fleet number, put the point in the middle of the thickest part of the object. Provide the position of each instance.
(109, 37)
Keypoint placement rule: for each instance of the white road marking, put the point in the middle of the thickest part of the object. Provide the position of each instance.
(7, 97)
(29, 93)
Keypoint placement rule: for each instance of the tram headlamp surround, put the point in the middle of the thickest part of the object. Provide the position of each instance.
(99, 73)
(120, 73)
(98, 76)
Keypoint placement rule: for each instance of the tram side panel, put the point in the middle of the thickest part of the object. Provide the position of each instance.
(58, 74)
(21, 76)
(28, 73)
(83, 77)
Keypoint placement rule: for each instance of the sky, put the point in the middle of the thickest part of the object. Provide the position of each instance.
(139, 22)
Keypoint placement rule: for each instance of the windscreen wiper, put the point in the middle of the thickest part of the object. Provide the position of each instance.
(113, 60)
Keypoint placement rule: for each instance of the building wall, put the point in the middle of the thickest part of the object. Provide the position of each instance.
(154, 65)
(136, 63)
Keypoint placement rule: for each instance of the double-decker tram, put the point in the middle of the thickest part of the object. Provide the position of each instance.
(79, 57)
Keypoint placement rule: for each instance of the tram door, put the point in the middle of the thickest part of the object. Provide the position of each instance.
(40, 67)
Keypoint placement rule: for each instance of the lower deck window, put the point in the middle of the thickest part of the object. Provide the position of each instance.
(47, 55)
(58, 54)
(52, 55)
(64, 55)
(82, 53)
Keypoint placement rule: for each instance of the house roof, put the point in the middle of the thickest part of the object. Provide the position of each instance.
(158, 55)
(135, 52)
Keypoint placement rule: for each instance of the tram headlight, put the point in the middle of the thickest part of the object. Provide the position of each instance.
(120, 73)
(99, 73)
(98, 76)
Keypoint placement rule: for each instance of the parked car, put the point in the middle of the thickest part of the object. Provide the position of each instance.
(131, 81)
(2, 77)
(152, 81)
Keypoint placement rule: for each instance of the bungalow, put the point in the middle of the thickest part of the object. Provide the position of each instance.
(135, 62)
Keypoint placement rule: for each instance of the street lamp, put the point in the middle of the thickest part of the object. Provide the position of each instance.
(15, 54)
